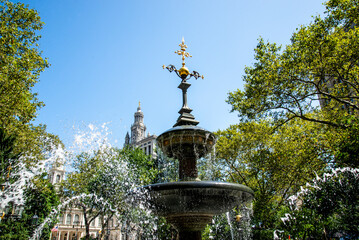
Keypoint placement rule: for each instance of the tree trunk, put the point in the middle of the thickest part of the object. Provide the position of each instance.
(87, 225)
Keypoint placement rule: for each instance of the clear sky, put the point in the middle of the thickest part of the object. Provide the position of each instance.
(107, 55)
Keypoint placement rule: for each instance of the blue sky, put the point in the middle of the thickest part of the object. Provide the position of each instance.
(106, 56)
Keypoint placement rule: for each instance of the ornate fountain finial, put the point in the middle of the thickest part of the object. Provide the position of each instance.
(183, 52)
(185, 118)
(183, 72)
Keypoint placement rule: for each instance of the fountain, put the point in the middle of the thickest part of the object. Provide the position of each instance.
(190, 203)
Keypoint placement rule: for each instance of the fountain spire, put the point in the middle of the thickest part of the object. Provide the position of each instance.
(185, 118)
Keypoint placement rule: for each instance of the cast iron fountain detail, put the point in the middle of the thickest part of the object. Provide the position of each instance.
(190, 203)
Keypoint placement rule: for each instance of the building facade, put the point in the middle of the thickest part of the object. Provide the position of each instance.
(70, 224)
(138, 138)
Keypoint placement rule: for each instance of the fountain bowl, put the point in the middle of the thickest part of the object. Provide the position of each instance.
(190, 205)
(186, 141)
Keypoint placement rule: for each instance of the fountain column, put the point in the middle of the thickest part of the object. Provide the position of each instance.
(193, 235)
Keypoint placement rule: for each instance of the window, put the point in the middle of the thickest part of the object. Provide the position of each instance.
(93, 222)
(58, 178)
(149, 149)
(68, 219)
(77, 219)
(61, 219)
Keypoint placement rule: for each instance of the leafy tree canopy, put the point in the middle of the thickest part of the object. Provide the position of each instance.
(299, 114)
(106, 177)
(320, 64)
(273, 163)
(327, 207)
(20, 66)
(40, 198)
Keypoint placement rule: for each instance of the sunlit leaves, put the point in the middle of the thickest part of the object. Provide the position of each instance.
(274, 162)
(320, 65)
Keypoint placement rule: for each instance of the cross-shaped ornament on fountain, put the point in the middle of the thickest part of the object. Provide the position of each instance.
(185, 118)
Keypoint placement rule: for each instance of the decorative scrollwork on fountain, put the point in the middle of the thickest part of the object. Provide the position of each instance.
(196, 75)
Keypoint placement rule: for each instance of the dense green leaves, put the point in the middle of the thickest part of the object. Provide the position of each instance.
(20, 62)
(20, 66)
(328, 207)
(274, 163)
(299, 115)
(8, 158)
(320, 64)
(40, 199)
(104, 178)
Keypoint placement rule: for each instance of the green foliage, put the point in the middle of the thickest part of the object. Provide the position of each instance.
(20, 66)
(327, 207)
(40, 199)
(345, 144)
(146, 171)
(321, 62)
(88, 172)
(8, 159)
(220, 229)
(274, 162)
(20, 63)
(106, 176)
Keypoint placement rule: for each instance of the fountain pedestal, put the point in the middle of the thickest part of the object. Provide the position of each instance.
(190, 204)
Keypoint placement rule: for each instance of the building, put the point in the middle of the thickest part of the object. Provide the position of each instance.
(70, 225)
(138, 137)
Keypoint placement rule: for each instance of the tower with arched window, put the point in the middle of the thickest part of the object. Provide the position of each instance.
(56, 173)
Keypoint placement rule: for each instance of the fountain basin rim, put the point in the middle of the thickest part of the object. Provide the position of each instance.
(184, 127)
(198, 184)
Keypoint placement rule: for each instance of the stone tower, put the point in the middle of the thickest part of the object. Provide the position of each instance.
(138, 128)
(56, 173)
(138, 137)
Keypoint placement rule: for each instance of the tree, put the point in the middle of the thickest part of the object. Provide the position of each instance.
(327, 207)
(273, 163)
(20, 66)
(106, 177)
(145, 165)
(345, 144)
(299, 113)
(77, 183)
(320, 64)
(8, 159)
(40, 199)
(21, 63)
(22, 144)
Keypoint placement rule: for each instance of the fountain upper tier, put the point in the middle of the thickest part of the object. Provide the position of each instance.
(187, 143)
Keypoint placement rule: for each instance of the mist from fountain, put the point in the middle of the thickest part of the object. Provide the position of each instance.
(89, 140)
